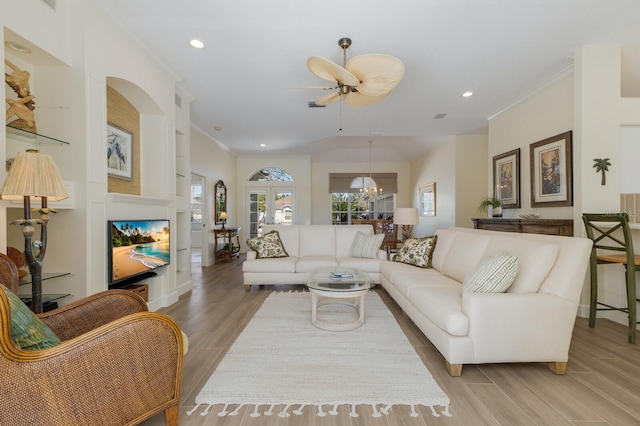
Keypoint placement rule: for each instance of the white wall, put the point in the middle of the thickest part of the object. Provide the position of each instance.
(459, 175)
(548, 113)
(215, 162)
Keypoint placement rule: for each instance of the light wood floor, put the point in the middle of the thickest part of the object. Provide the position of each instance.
(601, 387)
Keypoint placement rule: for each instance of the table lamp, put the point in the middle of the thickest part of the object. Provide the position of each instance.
(407, 217)
(223, 218)
(33, 174)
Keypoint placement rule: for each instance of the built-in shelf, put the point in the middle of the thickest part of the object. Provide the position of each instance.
(33, 138)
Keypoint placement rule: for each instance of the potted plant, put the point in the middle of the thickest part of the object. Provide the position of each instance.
(492, 205)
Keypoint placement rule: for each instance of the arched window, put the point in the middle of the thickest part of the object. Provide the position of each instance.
(271, 174)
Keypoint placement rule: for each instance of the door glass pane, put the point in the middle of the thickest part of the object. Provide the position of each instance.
(257, 210)
(282, 207)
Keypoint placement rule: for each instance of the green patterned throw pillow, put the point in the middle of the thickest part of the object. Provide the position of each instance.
(493, 275)
(417, 251)
(366, 246)
(27, 330)
(268, 246)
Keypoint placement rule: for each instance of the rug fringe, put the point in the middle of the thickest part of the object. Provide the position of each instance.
(375, 411)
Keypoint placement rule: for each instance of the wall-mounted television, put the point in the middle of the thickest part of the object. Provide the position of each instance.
(135, 249)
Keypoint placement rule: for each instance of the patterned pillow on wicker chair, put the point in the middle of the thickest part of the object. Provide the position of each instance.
(28, 332)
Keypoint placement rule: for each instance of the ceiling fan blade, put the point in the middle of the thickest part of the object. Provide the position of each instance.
(328, 99)
(378, 73)
(316, 87)
(330, 71)
(356, 99)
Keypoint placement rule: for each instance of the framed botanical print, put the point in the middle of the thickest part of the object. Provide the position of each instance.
(119, 152)
(506, 179)
(552, 171)
(428, 199)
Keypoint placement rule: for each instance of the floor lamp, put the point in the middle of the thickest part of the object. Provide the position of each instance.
(33, 174)
(407, 217)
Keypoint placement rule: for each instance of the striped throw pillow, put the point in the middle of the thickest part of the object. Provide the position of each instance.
(366, 245)
(493, 275)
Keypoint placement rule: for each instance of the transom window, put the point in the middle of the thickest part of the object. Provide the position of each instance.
(271, 174)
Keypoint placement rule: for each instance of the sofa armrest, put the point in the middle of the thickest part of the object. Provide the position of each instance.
(252, 255)
(91, 312)
(506, 323)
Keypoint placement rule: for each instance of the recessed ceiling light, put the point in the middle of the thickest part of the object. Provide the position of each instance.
(263, 145)
(376, 133)
(17, 47)
(196, 43)
(217, 128)
(467, 94)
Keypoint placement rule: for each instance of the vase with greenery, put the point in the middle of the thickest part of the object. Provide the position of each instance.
(492, 205)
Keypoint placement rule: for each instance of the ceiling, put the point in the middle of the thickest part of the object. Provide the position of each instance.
(255, 53)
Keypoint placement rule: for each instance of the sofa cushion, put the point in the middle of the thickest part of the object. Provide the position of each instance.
(417, 251)
(345, 235)
(268, 246)
(466, 251)
(367, 265)
(445, 239)
(317, 240)
(535, 260)
(28, 332)
(307, 263)
(443, 306)
(366, 246)
(270, 265)
(492, 275)
(406, 282)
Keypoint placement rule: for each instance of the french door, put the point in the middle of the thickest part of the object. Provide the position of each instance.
(269, 205)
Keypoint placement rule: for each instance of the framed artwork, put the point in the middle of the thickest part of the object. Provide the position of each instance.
(552, 171)
(119, 152)
(428, 199)
(506, 179)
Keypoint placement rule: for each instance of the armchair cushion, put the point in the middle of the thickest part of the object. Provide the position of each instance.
(268, 246)
(28, 332)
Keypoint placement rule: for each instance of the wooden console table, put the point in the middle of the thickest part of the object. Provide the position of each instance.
(225, 246)
(563, 227)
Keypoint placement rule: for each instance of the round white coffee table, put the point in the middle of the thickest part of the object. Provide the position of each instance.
(349, 290)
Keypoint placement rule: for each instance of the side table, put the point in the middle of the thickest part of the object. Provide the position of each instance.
(227, 243)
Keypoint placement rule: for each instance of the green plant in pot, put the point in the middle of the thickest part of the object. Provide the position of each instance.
(492, 205)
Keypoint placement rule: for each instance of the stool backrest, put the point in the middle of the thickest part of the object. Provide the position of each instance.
(603, 229)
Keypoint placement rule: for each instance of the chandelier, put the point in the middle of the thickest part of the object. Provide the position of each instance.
(366, 184)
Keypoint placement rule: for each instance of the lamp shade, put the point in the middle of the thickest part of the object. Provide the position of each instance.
(33, 174)
(405, 216)
(223, 216)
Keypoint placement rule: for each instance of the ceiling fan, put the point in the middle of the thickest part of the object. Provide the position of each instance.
(363, 80)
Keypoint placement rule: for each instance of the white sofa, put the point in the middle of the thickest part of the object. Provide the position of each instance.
(309, 247)
(532, 322)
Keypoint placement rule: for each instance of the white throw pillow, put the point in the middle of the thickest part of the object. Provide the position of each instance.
(367, 246)
(492, 275)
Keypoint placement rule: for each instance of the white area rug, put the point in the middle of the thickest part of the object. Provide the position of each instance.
(281, 359)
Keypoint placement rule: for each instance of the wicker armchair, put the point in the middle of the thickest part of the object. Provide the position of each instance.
(118, 364)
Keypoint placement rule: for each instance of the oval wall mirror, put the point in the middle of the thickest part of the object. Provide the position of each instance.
(221, 201)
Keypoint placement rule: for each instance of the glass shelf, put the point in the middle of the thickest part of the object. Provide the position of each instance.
(34, 138)
(46, 298)
(45, 276)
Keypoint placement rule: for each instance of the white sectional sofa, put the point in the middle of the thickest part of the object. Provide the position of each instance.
(531, 322)
(309, 247)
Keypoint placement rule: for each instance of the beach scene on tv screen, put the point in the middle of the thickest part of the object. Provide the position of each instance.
(138, 246)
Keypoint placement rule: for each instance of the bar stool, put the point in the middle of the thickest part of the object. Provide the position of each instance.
(600, 229)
